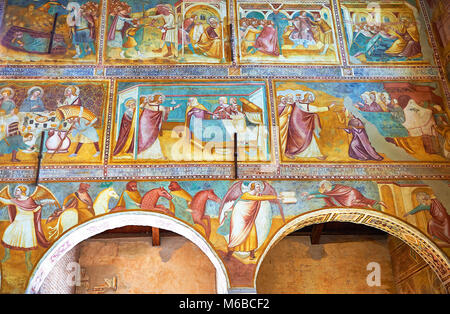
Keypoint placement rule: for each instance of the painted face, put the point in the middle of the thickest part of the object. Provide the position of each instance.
(36, 93)
(133, 186)
(17, 192)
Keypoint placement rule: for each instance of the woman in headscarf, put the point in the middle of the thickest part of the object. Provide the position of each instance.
(33, 102)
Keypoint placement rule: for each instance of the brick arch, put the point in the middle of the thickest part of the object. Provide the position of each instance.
(392, 225)
(116, 220)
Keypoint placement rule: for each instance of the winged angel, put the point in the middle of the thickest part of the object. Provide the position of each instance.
(245, 216)
(25, 230)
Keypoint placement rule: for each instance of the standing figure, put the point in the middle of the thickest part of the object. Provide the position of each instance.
(150, 122)
(324, 32)
(284, 112)
(245, 216)
(25, 230)
(303, 128)
(33, 103)
(83, 132)
(439, 225)
(82, 25)
(168, 31)
(302, 33)
(184, 38)
(121, 22)
(279, 23)
(125, 139)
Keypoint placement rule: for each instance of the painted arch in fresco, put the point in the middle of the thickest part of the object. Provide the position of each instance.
(117, 220)
(418, 241)
(239, 219)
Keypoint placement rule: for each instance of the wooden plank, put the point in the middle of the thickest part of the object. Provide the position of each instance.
(155, 237)
(315, 233)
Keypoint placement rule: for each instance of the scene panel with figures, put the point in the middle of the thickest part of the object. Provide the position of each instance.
(41, 31)
(361, 121)
(191, 121)
(286, 32)
(238, 218)
(69, 115)
(385, 32)
(167, 32)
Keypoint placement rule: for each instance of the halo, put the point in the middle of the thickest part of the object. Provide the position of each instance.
(77, 89)
(27, 189)
(10, 90)
(30, 91)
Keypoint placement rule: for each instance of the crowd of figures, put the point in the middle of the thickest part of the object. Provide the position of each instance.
(22, 125)
(191, 35)
(392, 41)
(397, 120)
(244, 210)
(278, 32)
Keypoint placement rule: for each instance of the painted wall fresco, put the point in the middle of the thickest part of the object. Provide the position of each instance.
(191, 121)
(69, 115)
(377, 121)
(167, 32)
(384, 31)
(154, 93)
(50, 31)
(237, 217)
(286, 32)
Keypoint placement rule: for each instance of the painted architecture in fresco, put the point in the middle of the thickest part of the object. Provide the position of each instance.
(339, 109)
(185, 31)
(288, 32)
(69, 115)
(190, 121)
(388, 31)
(362, 121)
(239, 218)
(50, 31)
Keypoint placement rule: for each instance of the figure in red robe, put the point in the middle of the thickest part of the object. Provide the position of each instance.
(267, 41)
(339, 195)
(439, 225)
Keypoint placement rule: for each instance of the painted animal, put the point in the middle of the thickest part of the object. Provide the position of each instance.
(69, 217)
(150, 199)
(197, 209)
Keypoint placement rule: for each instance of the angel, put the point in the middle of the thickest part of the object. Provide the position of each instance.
(25, 230)
(245, 216)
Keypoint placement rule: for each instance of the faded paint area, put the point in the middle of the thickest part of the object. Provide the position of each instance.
(337, 265)
(177, 266)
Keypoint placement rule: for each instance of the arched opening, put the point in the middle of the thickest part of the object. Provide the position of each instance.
(69, 240)
(418, 245)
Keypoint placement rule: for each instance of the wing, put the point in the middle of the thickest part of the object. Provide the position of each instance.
(232, 194)
(43, 193)
(270, 190)
(4, 193)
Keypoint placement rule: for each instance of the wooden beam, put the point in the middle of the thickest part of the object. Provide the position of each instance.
(155, 237)
(315, 233)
